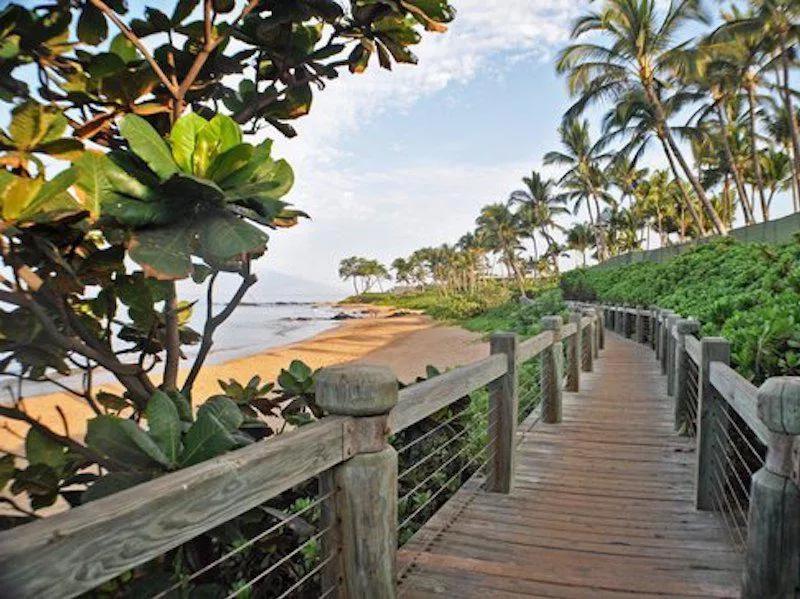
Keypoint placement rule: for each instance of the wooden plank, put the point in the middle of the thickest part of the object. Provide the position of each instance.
(740, 395)
(693, 348)
(568, 330)
(603, 506)
(423, 399)
(75, 551)
(535, 345)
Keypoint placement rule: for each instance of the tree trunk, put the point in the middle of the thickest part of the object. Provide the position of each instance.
(787, 99)
(719, 226)
(687, 200)
(751, 101)
(737, 175)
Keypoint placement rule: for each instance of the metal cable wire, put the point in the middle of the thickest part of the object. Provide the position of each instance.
(306, 578)
(326, 593)
(422, 483)
(443, 486)
(733, 531)
(751, 468)
(465, 430)
(718, 491)
(744, 436)
(431, 432)
(249, 543)
(279, 563)
(729, 490)
(730, 466)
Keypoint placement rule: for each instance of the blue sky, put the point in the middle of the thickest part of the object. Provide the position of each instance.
(390, 162)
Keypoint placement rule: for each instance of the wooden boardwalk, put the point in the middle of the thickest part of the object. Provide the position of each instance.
(603, 506)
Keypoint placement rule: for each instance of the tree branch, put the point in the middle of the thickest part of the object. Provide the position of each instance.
(134, 39)
(173, 339)
(213, 322)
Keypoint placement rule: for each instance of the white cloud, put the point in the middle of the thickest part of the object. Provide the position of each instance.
(390, 212)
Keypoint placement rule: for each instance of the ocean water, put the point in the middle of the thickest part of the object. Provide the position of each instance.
(279, 310)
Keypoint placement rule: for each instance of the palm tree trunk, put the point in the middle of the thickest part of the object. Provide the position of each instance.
(787, 99)
(686, 199)
(737, 175)
(698, 189)
(751, 101)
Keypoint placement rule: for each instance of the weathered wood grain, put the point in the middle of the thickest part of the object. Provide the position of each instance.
(603, 506)
(692, 347)
(423, 399)
(530, 348)
(75, 551)
(741, 394)
(503, 409)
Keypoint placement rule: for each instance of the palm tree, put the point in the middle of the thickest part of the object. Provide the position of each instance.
(633, 119)
(580, 238)
(638, 55)
(538, 207)
(500, 231)
(776, 24)
(583, 181)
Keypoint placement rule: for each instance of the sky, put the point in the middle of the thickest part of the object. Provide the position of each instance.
(388, 162)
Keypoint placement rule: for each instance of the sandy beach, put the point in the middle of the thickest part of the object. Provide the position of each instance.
(407, 343)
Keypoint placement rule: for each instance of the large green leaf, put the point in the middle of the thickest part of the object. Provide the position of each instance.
(164, 425)
(163, 253)
(183, 139)
(40, 449)
(92, 25)
(123, 441)
(229, 162)
(193, 191)
(207, 438)
(124, 48)
(148, 145)
(224, 237)
(7, 470)
(224, 410)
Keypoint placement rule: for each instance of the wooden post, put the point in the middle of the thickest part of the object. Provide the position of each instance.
(653, 327)
(621, 317)
(503, 409)
(771, 560)
(685, 326)
(598, 329)
(601, 329)
(574, 348)
(712, 349)
(587, 343)
(552, 372)
(366, 498)
(657, 334)
(640, 324)
(671, 320)
(664, 339)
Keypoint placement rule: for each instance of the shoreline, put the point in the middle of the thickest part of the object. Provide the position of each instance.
(378, 337)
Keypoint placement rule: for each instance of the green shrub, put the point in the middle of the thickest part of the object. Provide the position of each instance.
(746, 292)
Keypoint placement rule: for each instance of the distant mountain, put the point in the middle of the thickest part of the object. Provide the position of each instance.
(272, 286)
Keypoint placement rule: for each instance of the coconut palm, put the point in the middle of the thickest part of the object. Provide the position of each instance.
(636, 53)
(500, 232)
(580, 238)
(538, 208)
(634, 121)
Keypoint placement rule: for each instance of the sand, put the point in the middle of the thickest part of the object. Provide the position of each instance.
(406, 343)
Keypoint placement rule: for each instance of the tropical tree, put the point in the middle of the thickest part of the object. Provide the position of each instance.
(581, 239)
(636, 55)
(500, 232)
(169, 190)
(538, 207)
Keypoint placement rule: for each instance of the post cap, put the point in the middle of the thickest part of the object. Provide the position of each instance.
(687, 326)
(575, 316)
(779, 404)
(356, 390)
(551, 323)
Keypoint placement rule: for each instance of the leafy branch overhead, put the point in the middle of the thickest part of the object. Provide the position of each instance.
(124, 169)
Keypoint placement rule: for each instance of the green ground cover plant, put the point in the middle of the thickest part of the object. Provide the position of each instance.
(748, 293)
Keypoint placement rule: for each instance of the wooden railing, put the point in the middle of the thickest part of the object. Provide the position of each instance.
(350, 455)
(748, 442)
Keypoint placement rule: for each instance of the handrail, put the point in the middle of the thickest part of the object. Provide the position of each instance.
(741, 395)
(76, 550)
(568, 330)
(535, 345)
(428, 397)
(692, 345)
